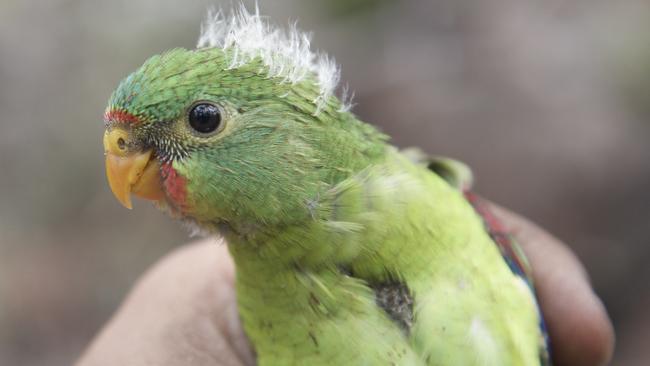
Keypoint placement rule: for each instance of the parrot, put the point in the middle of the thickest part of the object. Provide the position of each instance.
(347, 250)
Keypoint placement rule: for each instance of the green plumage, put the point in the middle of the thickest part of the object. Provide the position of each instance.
(319, 211)
(393, 221)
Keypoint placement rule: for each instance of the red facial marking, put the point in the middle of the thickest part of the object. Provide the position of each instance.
(120, 116)
(175, 185)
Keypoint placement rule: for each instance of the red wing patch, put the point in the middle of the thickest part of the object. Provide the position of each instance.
(510, 250)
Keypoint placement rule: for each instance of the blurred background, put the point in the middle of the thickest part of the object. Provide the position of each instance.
(548, 100)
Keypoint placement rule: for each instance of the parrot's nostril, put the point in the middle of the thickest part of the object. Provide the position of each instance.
(116, 141)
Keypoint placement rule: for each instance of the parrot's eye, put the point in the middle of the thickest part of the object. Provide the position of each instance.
(205, 117)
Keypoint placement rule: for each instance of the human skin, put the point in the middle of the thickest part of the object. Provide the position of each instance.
(183, 311)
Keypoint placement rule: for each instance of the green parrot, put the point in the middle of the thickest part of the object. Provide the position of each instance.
(348, 251)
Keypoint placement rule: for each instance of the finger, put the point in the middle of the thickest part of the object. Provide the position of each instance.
(182, 311)
(579, 328)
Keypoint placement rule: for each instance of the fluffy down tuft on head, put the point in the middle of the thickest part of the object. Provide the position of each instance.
(286, 53)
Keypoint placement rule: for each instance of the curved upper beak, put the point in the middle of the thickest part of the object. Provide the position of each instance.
(130, 172)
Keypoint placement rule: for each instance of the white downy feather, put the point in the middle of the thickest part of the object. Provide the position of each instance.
(286, 53)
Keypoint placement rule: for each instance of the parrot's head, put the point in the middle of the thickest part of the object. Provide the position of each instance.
(244, 129)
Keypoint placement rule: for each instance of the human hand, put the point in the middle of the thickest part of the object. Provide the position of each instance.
(183, 311)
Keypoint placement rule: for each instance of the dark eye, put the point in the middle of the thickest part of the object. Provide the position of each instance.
(205, 117)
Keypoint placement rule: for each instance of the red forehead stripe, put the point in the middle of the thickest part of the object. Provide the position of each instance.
(120, 116)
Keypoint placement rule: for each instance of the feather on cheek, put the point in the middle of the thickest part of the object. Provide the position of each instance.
(175, 185)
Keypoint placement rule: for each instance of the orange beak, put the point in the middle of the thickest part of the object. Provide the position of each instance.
(130, 172)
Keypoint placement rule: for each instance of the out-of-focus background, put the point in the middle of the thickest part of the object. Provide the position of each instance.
(549, 101)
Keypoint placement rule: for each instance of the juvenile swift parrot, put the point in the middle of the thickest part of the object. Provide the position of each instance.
(348, 251)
